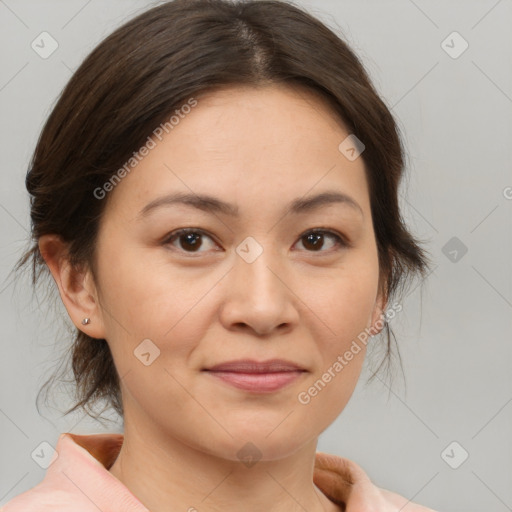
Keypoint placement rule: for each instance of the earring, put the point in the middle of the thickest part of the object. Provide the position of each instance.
(86, 321)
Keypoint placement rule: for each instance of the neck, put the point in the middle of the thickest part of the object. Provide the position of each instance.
(165, 474)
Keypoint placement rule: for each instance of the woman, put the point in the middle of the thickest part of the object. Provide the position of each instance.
(215, 196)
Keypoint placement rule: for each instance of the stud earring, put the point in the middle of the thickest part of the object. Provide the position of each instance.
(86, 321)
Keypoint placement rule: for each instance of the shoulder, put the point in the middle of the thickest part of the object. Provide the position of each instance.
(78, 480)
(43, 499)
(347, 484)
(396, 500)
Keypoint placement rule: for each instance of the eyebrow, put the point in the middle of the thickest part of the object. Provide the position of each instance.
(211, 204)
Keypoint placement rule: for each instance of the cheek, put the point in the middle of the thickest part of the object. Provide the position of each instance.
(146, 298)
(342, 349)
(345, 311)
(325, 396)
(345, 303)
(157, 302)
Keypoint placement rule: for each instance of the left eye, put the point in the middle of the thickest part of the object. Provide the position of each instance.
(315, 239)
(191, 240)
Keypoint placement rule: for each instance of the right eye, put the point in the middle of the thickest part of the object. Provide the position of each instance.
(190, 239)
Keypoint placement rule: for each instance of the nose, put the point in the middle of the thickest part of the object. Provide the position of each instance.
(259, 297)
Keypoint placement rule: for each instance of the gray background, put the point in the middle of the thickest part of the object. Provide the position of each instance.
(454, 331)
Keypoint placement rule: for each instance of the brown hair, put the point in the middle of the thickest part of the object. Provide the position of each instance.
(136, 77)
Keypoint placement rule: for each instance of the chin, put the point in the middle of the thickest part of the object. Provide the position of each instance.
(259, 442)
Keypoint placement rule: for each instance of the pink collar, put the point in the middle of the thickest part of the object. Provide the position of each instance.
(79, 476)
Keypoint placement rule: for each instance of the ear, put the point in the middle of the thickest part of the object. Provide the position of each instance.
(76, 287)
(378, 320)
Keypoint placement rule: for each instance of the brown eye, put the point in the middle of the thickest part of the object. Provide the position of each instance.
(314, 241)
(188, 240)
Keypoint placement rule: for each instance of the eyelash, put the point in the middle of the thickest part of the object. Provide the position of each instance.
(341, 240)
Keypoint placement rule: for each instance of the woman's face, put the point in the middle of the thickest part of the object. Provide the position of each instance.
(252, 285)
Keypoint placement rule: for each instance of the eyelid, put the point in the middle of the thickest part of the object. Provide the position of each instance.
(329, 232)
(341, 240)
(183, 231)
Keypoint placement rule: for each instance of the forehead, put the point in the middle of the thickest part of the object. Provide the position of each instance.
(248, 143)
(290, 98)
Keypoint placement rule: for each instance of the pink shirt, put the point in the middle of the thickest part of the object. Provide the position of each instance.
(78, 480)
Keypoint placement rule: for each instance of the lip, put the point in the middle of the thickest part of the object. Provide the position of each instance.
(257, 376)
(252, 366)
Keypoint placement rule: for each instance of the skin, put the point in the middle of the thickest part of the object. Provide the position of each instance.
(258, 148)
